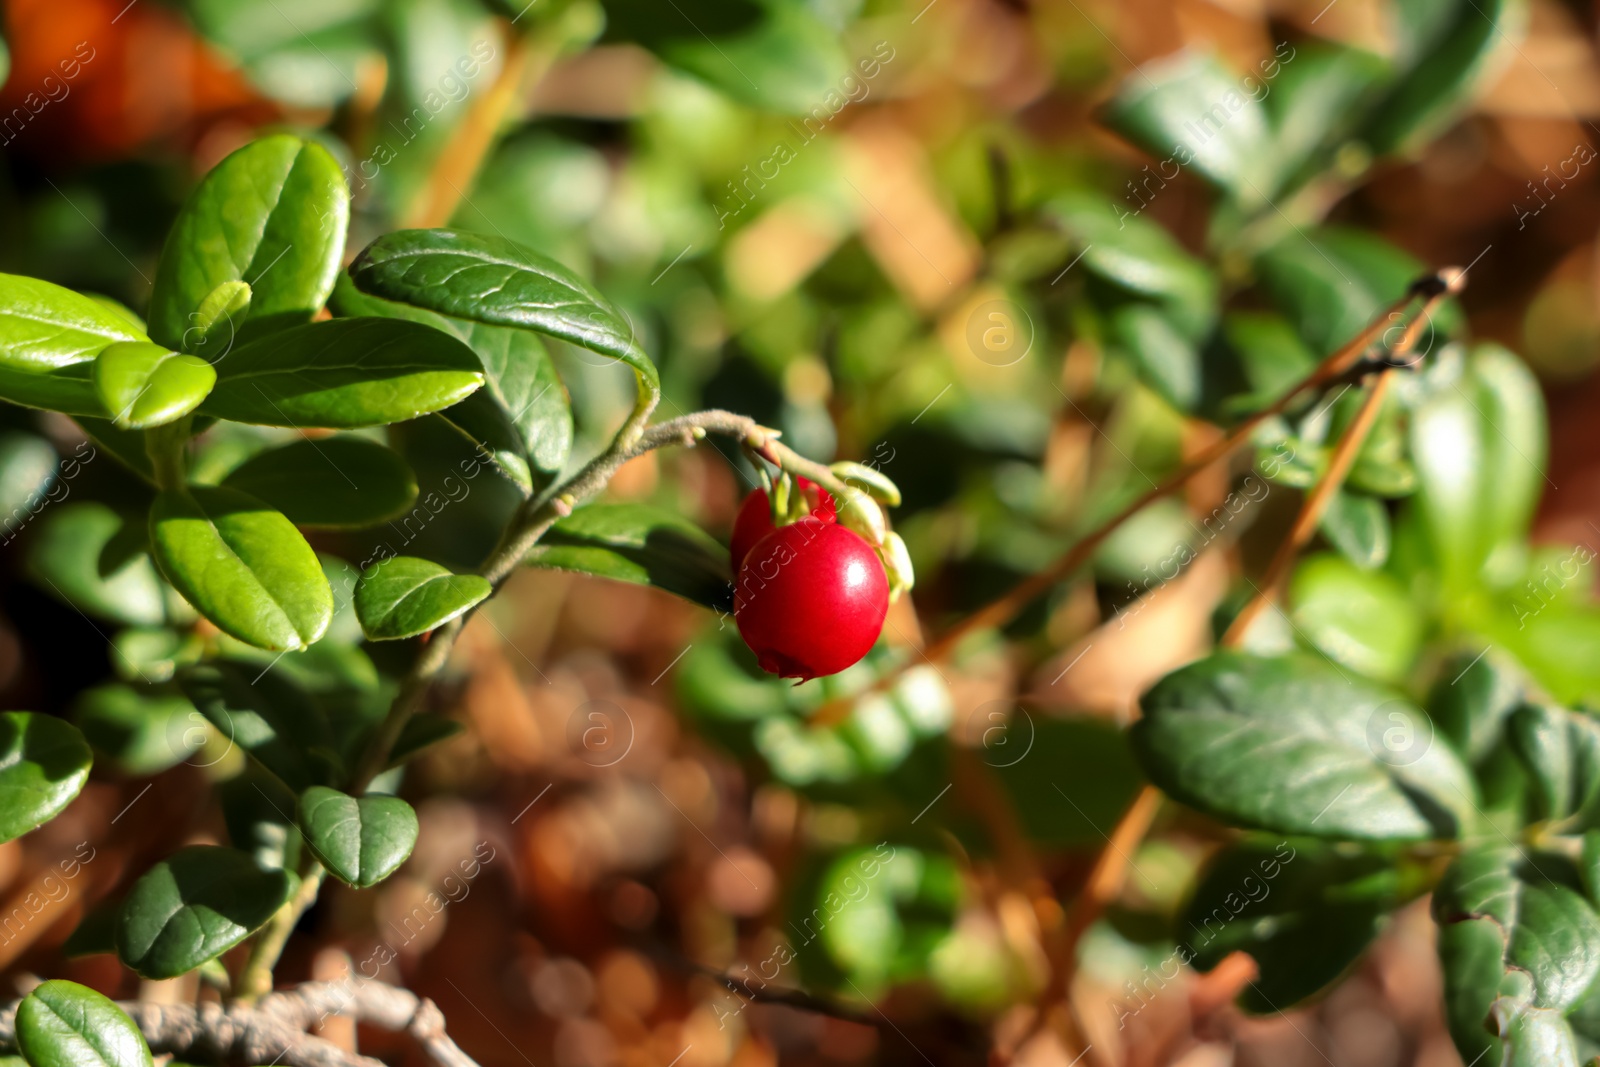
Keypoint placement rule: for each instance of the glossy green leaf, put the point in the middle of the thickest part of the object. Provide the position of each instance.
(242, 565)
(64, 1024)
(1358, 526)
(141, 731)
(1447, 46)
(44, 762)
(49, 337)
(1479, 444)
(273, 215)
(639, 544)
(361, 840)
(144, 385)
(1521, 948)
(1560, 750)
(338, 482)
(65, 561)
(1304, 911)
(405, 596)
(1190, 111)
(494, 281)
(194, 906)
(343, 374)
(260, 709)
(1361, 619)
(522, 416)
(1299, 746)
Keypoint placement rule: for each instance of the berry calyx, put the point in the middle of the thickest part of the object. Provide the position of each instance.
(755, 516)
(811, 599)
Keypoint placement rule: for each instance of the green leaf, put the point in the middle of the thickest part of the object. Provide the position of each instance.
(421, 731)
(1479, 444)
(265, 712)
(1332, 281)
(144, 385)
(127, 447)
(361, 840)
(1166, 360)
(1448, 45)
(494, 281)
(272, 215)
(1303, 911)
(1139, 258)
(1189, 112)
(405, 596)
(1297, 746)
(1358, 526)
(43, 765)
(1521, 949)
(1361, 619)
(1314, 98)
(259, 811)
(194, 906)
(49, 337)
(65, 560)
(141, 731)
(27, 467)
(151, 654)
(1067, 777)
(337, 482)
(521, 416)
(64, 1024)
(1271, 356)
(242, 565)
(343, 374)
(642, 545)
(1560, 750)
(1470, 701)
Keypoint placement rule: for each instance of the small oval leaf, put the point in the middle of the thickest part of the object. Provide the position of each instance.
(639, 544)
(64, 1024)
(194, 906)
(406, 596)
(43, 765)
(344, 373)
(49, 337)
(272, 215)
(496, 281)
(361, 840)
(144, 385)
(242, 565)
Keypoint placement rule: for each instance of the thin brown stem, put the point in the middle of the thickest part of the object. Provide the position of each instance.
(458, 164)
(1311, 511)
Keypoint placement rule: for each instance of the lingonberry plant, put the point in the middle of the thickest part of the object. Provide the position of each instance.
(1393, 705)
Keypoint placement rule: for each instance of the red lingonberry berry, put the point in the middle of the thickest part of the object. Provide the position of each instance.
(811, 599)
(755, 517)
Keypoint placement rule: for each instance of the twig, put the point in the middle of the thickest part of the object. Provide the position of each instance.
(458, 164)
(276, 1029)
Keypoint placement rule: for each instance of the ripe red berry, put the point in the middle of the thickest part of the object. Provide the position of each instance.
(755, 517)
(811, 599)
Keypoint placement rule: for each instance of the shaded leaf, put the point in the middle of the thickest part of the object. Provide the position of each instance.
(194, 906)
(639, 544)
(43, 765)
(406, 596)
(65, 560)
(339, 482)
